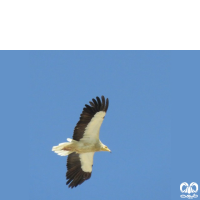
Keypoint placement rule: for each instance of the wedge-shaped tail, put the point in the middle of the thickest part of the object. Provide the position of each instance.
(59, 149)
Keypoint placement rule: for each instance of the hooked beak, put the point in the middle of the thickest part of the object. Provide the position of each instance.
(105, 149)
(109, 150)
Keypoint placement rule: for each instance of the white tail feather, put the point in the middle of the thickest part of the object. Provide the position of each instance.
(69, 139)
(63, 152)
(59, 151)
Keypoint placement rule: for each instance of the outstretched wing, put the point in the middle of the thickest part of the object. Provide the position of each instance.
(79, 168)
(91, 119)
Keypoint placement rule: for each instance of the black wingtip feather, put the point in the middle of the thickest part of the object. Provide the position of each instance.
(99, 103)
(103, 102)
(107, 104)
(92, 104)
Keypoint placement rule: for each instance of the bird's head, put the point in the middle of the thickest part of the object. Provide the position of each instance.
(105, 148)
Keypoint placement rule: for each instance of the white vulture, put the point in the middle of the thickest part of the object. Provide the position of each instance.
(85, 143)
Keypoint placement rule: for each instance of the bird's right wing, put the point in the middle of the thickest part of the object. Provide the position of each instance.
(79, 168)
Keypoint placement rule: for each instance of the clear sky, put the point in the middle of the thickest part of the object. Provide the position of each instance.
(152, 123)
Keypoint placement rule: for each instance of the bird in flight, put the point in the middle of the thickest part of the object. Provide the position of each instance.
(85, 142)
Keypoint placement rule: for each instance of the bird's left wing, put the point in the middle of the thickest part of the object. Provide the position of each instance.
(90, 120)
(79, 168)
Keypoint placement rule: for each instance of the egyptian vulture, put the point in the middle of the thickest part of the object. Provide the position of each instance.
(85, 142)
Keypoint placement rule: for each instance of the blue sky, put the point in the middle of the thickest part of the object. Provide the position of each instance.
(152, 124)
